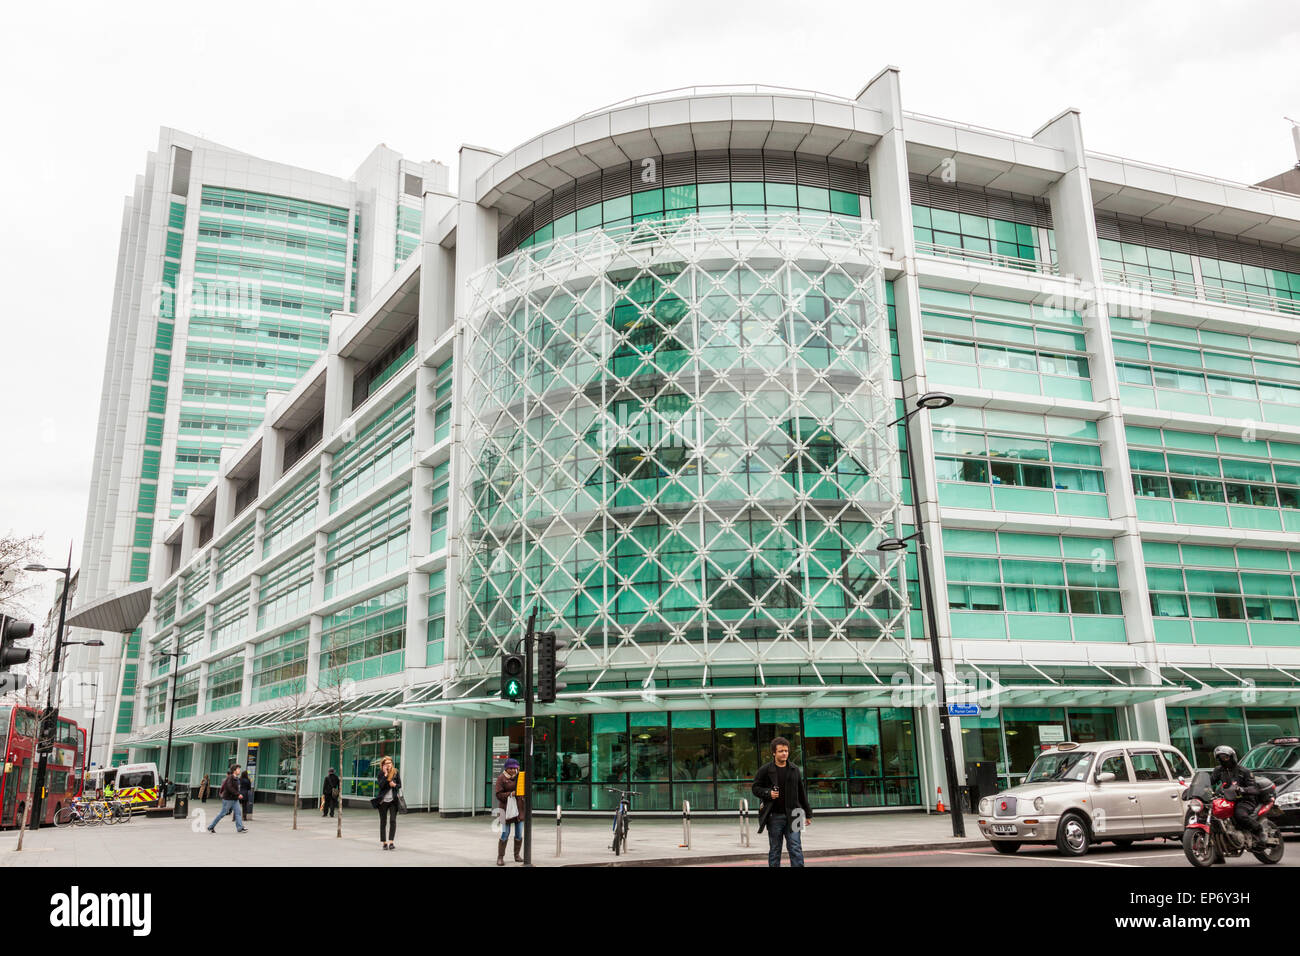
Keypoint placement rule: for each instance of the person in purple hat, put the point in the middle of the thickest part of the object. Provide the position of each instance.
(512, 810)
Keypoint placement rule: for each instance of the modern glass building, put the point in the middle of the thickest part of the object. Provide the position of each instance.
(642, 375)
(229, 272)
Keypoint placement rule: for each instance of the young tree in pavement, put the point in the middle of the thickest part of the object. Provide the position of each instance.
(344, 728)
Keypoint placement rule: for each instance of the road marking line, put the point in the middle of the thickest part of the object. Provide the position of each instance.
(1039, 859)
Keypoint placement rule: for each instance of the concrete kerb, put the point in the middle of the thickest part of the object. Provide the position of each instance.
(762, 856)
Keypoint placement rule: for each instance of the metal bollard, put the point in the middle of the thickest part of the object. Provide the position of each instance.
(686, 824)
(744, 822)
(558, 845)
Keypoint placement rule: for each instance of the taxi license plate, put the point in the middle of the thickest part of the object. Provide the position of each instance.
(1003, 829)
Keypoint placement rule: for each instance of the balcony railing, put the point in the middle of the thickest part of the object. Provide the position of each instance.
(988, 258)
(1202, 292)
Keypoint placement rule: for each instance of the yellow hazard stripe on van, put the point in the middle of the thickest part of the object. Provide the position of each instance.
(137, 794)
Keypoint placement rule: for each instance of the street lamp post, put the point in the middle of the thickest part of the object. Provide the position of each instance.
(171, 711)
(94, 714)
(38, 793)
(930, 401)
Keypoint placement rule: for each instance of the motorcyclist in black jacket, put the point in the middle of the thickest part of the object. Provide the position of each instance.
(1228, 773)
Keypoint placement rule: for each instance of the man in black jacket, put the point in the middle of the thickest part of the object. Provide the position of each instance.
(330, 794)
(784, 808)
(230, 802)
(1228, 773)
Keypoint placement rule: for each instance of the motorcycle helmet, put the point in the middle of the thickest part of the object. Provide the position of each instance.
(1225, 756)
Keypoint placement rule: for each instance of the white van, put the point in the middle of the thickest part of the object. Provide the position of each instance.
(138, 785)
(95, 780)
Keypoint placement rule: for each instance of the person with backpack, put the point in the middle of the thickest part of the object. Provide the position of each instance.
(330, 794)
(230, 801)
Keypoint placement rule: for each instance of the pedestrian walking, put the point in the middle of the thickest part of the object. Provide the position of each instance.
(204, 786)
(246, 793)
(329, 794)
(783, 807)
(230, 801)
(387, 800)
(511, 809)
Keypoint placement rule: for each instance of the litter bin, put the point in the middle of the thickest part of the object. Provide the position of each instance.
(182, 808)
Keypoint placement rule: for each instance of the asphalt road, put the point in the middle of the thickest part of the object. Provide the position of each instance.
(1156, 854)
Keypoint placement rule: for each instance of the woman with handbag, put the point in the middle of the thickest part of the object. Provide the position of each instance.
(387, 800)
(511, 810)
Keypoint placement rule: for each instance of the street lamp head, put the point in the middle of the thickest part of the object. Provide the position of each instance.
(93, 643)
(36, 567)
(892, 544)
(934, 400)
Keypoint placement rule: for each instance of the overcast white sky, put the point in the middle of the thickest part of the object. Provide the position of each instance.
(1197, 85)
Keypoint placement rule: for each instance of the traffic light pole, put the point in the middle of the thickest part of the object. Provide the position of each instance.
(528, 739)
(38, 794)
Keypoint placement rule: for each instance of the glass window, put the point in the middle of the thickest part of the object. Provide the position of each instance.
(1022, 733)
(1090, 724)
(1177, 765)
(609, 752)
(1212, 726)
(1114, 763)
(824, 740)
(1147, 765)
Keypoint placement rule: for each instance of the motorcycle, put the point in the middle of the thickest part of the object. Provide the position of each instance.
(1211, 835)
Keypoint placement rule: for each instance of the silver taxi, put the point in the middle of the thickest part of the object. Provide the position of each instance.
(1076, 795)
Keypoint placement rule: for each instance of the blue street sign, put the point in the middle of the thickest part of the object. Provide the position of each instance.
(963, 710)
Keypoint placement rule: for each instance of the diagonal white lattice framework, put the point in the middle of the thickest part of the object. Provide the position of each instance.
(678, 449)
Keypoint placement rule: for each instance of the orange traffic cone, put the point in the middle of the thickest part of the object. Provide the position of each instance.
(940, 808)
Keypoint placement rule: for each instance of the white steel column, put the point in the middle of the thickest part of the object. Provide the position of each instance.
(1077, 250)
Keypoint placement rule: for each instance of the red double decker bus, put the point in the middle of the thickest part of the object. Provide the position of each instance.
(65, 770)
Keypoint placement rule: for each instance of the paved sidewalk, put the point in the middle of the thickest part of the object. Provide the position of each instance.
(423, 839)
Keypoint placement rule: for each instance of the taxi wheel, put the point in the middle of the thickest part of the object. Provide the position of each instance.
(1006, 846)
(1072, 836)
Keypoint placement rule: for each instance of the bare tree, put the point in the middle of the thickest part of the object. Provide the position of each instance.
(294, 745)
(344, 729)
(16, 552)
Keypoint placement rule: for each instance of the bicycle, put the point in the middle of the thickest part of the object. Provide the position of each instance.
(621, 824)
(99, 812)
(74, 814)
(120, 812)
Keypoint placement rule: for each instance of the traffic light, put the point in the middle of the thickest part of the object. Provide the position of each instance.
(512, 676)
(49, 727)
(547, 666)
(12, 631)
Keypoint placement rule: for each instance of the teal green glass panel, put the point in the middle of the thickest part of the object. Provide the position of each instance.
(1037, 627)
(1220, 632)
(978, 625)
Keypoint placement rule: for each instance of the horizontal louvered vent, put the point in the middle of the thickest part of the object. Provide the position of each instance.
(1195, 242)
(566, 201)
(678, 169)
(713, 166)
(979, 201)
